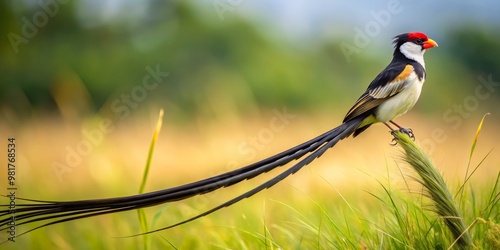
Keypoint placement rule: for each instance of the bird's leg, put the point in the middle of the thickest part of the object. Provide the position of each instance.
(393, 142)
(407, 131)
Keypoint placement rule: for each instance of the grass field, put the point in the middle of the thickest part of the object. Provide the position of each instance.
(359, 195)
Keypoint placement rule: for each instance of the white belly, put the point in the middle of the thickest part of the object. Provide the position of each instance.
(400, 103)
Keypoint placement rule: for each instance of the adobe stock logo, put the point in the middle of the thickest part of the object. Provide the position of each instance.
(122, 106)
(252, 145)
(363, 36)
(30, 27)
(459, 112)
(223, 6)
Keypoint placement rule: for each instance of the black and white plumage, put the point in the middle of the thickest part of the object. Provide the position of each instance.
(391, 94)
(397, 88)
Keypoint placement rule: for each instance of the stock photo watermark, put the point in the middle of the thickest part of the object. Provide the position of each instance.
(11, 187)
(30, 26)
(256, 143)
(121, 106)
(458, 112)
(363, 36)
(253, 144)
(223, 6)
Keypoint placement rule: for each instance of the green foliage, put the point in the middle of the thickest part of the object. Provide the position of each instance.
(493, 235)
(476, 47)
(232, 60)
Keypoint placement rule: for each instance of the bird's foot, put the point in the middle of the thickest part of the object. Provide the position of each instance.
(407, 131)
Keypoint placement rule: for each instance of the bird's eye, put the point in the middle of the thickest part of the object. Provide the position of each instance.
(419, 41)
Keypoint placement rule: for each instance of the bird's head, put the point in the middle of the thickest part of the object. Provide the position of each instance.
(413, 45)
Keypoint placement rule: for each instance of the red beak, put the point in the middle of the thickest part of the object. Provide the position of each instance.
(430, 44)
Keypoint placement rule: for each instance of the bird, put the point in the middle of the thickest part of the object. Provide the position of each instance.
(393, 92)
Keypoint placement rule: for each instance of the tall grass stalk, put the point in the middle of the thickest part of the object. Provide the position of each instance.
(473, 147)
(140, 212)
(436, 190)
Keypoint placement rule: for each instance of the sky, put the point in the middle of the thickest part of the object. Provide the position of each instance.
(308, 18)
(301, 20)
(300, 17)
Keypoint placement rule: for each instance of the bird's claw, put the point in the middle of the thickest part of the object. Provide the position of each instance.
(407, 131)
(393, 142)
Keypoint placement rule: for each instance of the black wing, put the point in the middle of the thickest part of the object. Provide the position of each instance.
(387, 84)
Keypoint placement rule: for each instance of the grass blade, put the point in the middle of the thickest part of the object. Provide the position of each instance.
(473, 147)
(478, 131)
(150, 153)
(140, 212)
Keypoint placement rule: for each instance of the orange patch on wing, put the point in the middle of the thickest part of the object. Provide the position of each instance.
(404, 74)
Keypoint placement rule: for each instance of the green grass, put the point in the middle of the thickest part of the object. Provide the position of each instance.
(426, 212)
(429, 219)
(140, 212)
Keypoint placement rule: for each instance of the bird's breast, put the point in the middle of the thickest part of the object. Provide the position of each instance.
(400, 103)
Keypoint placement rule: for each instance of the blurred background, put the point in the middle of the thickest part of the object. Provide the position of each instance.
(82, 83)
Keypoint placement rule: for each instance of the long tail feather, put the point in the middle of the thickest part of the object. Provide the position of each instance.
(61, 211)
(327, 143)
